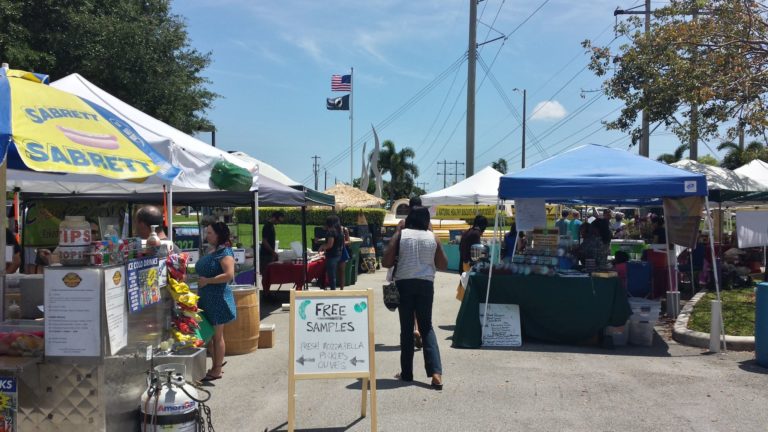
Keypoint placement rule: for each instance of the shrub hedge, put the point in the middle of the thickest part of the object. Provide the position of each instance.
(315, 216)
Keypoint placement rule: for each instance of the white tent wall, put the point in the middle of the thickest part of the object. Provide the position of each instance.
(481, 188)
(756, 170)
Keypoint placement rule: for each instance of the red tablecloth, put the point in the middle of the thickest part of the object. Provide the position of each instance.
(280, 273)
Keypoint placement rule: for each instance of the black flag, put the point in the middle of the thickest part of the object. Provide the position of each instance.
(337, 103)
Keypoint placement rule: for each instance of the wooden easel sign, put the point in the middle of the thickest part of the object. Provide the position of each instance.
(331, 337)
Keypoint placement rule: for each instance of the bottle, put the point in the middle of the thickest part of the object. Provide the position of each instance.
(74, 241)
(14, 311)
(153, 241)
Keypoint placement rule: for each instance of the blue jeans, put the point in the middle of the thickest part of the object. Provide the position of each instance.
(331, 266)
(416, 295)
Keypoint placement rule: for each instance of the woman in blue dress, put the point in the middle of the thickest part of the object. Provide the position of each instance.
(216, 270)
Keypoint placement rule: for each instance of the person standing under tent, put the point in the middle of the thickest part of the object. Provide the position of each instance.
(346, 256)
(418, 254)
(574, 227)
(145, 218)
(216, 270)
(562, 223)
(267, 248)
(471, 237)
(334, 241)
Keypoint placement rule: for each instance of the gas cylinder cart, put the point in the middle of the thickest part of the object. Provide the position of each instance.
(98, 347)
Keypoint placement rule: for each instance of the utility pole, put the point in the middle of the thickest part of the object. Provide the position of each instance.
(471, 65)
(524, 100)
(315, 168)
(325, 183)
(456, 171)
(693, 144)
(644, 149)
(422, 185)
(444, 173)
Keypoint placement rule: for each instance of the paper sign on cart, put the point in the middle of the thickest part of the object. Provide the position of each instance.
(331, 335)
(502, 328)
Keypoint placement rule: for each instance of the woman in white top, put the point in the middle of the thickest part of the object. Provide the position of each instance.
(418, 253)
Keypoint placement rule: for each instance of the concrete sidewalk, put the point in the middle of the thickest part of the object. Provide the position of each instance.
(539, 387)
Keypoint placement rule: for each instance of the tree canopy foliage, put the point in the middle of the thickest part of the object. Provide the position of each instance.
(135, 49)
(717, 61)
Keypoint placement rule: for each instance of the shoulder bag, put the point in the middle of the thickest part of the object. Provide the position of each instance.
(391, 293)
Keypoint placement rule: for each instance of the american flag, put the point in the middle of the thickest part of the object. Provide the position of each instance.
(341, 82)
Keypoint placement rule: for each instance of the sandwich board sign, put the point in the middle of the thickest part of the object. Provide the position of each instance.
(331, 337)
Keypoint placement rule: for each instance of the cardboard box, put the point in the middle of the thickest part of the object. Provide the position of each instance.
(266, 336)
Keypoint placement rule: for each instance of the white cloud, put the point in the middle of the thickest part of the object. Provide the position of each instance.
(548, 110)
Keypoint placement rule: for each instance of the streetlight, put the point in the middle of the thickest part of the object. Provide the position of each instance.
(524, 97)
(212, 130)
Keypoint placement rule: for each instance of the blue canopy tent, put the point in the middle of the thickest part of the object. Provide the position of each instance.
(597, 174)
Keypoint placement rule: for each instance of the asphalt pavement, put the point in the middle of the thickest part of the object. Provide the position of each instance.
(539, 387)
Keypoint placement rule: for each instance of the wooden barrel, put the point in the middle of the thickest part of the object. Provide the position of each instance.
(241, 336)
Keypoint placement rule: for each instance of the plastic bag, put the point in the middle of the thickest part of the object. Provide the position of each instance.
(228, 176)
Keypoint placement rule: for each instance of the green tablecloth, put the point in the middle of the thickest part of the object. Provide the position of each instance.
(554, 309)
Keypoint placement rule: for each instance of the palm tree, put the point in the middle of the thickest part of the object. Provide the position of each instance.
(500, 165)
(400, 167)
(672, 158)
(737, 156)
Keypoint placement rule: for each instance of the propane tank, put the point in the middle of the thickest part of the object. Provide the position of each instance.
(169, 404)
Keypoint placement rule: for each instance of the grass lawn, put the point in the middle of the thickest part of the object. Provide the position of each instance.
(738, 312)
(290, 233)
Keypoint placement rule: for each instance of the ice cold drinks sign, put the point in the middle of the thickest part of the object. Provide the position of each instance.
(331, 335)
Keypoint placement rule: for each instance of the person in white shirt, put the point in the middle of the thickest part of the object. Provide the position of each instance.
(419, 254)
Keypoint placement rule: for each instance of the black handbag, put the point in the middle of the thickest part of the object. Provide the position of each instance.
(391, 293)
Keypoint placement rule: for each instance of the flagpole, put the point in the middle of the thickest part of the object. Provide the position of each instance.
(351, 127)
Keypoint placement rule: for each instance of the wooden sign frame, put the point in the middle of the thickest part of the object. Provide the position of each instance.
(368, 378)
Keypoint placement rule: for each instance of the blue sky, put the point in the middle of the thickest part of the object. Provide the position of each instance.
(273, 61)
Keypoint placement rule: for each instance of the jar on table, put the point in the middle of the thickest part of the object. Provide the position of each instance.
(74, 241)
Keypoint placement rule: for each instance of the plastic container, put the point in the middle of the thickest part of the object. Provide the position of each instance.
(640, 332)
(111, 235)
(22, 338)
(74, 241)
(644, 309)
(618, 335)
(153, 240)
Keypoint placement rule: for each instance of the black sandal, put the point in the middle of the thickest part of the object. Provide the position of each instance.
(437, 385)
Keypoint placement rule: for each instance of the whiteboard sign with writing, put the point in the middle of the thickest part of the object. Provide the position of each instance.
(331, 334)
(530, 213)
(502, 328)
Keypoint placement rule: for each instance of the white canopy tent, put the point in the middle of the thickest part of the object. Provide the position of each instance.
(756, 170)
(266, 169)
(721, 178)
(481, 188)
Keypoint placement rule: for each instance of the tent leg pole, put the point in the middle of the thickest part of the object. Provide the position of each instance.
(304, 244)
(715, 270)
(256, 234)
(490, 276)
(170, 213)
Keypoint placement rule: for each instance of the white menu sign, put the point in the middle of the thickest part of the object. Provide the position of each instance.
(502, 328)
(331, 335)
(116, 308)
(72, 312)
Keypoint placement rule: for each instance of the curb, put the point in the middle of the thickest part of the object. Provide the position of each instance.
(685, 336)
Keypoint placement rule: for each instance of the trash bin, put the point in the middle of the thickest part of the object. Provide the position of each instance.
(350, 275)
(761, 324)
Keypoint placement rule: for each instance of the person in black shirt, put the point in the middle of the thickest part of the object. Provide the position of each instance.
(267, 252)
(472, 236)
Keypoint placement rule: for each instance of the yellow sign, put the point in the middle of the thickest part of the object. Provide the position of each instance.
(55, 131)
(464, 212)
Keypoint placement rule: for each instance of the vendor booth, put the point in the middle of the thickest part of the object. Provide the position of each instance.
(84, 366)
(558, 303)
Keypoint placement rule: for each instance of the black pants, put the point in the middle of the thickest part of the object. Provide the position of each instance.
(416, 295)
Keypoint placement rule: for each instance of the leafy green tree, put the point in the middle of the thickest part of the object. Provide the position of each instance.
(708, 160)
(500, 165)
(402, 170)
(717, 62)
(668, 158)
(736, 157)
(136, 50)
